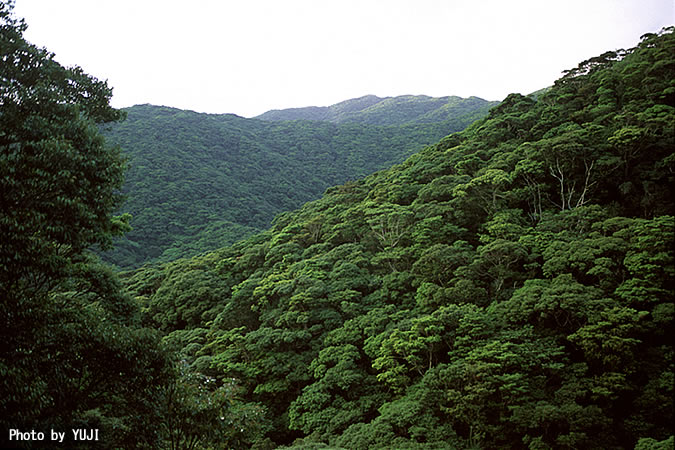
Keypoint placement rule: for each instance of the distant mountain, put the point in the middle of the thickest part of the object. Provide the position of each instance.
(373, 110)
(197, 182)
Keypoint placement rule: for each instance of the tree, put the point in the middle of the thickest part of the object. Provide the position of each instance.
(197, 412)
(59, 182)
(70, 352)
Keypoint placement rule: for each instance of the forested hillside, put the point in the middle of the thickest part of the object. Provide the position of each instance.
(509, 287)
(197, 182)
(404, 109)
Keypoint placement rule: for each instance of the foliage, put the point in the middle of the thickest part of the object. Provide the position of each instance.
(510, 286)
(198, 182)
(197, 413)
(404, 109)
(72, 355)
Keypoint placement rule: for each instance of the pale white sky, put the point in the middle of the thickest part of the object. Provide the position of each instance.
(250, 56)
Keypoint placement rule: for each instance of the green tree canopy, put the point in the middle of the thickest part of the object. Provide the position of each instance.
(71, 354)
(508, 287)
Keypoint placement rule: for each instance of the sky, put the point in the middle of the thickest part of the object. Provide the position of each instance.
(250, 56)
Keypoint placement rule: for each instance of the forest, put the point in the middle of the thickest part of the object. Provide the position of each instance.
(510, 286)
(198, 182)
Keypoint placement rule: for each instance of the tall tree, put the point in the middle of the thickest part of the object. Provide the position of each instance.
(70, 353)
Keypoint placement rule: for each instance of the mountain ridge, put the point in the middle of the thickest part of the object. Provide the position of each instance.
(371, 109)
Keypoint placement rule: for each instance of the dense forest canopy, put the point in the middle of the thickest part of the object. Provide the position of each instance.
(198, 182)
(510, 286)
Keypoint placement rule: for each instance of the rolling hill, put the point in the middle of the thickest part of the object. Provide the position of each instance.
(373, 110)
(197, 182)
